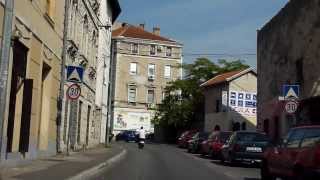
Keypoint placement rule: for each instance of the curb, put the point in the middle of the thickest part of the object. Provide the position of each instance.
(89, 173)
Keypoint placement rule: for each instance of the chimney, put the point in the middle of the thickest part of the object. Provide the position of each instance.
(141, 26)
(156, 31)
(124, 24)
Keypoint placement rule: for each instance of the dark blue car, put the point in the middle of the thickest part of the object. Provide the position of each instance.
(128, 136)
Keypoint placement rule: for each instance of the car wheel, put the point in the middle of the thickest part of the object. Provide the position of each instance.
(211, 153)
(189, 150)
(222, 159)
(265, 173)
(300, 175)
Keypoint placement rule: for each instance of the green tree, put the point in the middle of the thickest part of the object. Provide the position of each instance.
(184, 101)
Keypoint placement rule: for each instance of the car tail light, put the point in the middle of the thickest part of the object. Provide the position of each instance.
(236, 147)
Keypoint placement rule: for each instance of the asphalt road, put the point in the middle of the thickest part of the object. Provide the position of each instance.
(165, 162)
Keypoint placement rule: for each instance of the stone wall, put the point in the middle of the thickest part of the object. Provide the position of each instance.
(288, 53)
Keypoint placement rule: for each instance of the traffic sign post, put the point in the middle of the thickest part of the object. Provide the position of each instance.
(74, 92)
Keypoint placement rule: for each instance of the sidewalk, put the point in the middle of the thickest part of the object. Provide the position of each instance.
(76, 166)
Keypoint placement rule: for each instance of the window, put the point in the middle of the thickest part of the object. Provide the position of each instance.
(151, 71)
(169, 52)
(132, 93)
(133, 68)
(152, 50)
(217, 105)
(244, 126)
(167, 71)
(311, 138)
(150, 98)
(295, 139)
(134, 48)
(164, 95)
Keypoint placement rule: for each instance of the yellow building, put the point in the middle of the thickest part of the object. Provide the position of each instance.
(230, 101)
(34, 79)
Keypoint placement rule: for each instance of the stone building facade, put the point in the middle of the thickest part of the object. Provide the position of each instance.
(230, 101)
(109, 10)
(143, 64)
(34, 79)
(288, 53)
(80, 124)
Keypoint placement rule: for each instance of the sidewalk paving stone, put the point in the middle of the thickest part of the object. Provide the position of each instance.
(61, 166)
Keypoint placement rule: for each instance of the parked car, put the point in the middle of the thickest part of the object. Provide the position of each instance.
(214, 138)
(195, 143)
(245, 146)
(127, 135)
(215, 147)
(185, 137)
(297, 157)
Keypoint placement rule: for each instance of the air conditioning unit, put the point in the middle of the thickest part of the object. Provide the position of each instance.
(151, 77)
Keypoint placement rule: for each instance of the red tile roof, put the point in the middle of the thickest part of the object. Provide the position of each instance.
(221, 78)
(137, 32)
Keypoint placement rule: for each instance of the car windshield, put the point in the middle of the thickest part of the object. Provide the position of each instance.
(204, 135)
(255, 137)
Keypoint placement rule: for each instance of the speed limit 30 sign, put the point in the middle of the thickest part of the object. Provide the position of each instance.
(291, 107)
(74, 92)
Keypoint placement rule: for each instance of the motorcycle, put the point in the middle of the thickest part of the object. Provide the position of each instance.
(141, 144)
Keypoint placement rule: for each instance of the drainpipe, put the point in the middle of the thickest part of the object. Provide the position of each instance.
(62, 74)
(110, 94)
(4, 68)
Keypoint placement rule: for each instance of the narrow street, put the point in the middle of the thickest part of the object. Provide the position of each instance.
(159, 162)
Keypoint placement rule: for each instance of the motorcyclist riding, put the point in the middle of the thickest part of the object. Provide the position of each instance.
(142, 137)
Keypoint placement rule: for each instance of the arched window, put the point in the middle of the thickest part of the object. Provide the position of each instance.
(236, 126)
(244, 126)
(266, 126)
(217, 128)
(85, 31)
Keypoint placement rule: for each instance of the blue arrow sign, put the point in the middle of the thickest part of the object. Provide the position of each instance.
(75, 74)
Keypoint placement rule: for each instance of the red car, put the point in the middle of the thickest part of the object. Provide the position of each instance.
(214, 143)
(185, 137)
(216, 146)
(297, 157)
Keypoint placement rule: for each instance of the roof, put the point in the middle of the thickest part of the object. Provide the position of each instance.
(137, 32)
(226, 77)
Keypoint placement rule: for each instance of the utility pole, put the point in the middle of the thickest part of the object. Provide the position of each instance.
(4, 65)
(62, 74)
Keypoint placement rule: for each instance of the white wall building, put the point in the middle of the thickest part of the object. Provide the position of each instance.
(109, 10)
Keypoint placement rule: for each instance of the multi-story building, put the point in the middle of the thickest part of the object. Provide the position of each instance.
(108, 12)
(89, 37)
(288, 54)
(143, 64)
(34, 79)
(230, 101)
(79, 126)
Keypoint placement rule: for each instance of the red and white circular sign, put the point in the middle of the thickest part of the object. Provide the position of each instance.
(291, 107)
(74, 92)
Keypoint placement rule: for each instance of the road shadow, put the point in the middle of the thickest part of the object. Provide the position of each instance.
(238, 164)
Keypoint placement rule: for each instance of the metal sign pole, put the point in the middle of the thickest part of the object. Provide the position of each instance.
(4, 65)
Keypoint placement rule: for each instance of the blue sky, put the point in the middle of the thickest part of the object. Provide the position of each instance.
(206, 26)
